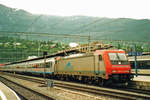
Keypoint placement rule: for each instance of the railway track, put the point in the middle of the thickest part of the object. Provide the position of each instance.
(135, 90)
(128, 94)
(24, 92)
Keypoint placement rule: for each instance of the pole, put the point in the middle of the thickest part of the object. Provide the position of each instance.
(135, 62)
(89, 38)
(44, 55)
(44, 65)
(39, 49)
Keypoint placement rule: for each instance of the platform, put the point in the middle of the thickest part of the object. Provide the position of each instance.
(6, 93)
(142, 78)
(141, 82)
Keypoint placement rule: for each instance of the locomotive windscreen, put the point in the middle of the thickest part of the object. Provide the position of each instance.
(118, 58)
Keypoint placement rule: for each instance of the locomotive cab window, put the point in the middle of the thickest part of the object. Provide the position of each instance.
(118, 58)
(100, 58)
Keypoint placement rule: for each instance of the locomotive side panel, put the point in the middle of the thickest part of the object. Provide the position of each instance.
(100, 68)
(84, 65)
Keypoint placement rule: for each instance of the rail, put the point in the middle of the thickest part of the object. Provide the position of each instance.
(24, 92)
(121, 93)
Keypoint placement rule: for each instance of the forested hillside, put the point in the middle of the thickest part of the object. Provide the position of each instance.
(14, 20)
(15, 49)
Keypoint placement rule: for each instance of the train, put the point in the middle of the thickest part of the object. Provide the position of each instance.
(102, 67)
(143, 65)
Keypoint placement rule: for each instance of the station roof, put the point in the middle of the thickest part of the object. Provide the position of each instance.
(140, 58)
(62, 53)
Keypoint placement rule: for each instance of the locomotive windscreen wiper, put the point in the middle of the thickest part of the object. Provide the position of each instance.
(118, 58)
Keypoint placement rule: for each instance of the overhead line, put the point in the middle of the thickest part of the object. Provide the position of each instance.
(62, 35)
(46, 34)
(96, 21)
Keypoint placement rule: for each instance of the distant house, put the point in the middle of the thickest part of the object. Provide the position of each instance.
(2, 65)
(17, 44)
(53, 46)
(32, 57)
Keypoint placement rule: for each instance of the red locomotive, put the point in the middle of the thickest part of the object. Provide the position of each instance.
(102, 67)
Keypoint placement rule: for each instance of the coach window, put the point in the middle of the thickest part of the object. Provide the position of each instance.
(47, 64)
(41, 65)
(100, 58)
(50, 64)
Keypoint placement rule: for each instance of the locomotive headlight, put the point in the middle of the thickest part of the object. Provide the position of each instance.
(114, 71)
(119, 62)
(128, 70)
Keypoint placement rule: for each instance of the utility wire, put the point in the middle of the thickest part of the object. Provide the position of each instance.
(45, 34)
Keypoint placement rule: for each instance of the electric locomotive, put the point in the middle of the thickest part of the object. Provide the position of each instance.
(101, 66)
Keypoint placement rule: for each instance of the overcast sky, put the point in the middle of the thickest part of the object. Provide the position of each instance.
(139, 9)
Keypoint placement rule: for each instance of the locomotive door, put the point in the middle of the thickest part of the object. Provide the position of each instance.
(99, 64)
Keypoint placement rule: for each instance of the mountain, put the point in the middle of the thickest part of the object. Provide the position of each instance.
(16, 20)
